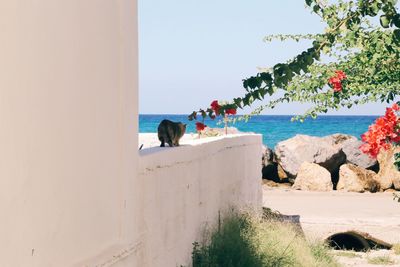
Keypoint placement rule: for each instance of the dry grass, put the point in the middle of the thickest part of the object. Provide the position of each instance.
(246, 240)
(347, 254)
(396, 249)
(381, 260)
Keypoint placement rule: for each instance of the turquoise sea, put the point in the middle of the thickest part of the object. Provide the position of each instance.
(275, 128)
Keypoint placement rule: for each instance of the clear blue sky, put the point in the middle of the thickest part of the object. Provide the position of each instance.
(194, 51)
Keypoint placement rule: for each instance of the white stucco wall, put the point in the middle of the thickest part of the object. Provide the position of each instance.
(185, 188)
(68, 132)
(73, 191)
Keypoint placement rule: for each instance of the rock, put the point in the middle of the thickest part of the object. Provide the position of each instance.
(271, 170)
(390, 190)
(293, 152)
(338, 138)
(354, 155)
(313, 177)
(388, 174)
(269, 167)
(281, 173)
(351, 148)
(268, 155)
(356, 179)
(274, 184)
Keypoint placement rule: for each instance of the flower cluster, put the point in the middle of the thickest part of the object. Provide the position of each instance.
(382, 133)
(226, 109)
(200, 126)
(336, 81)
(215, 107)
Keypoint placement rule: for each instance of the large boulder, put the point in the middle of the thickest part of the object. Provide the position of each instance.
(356, 179)
(293, 152)
(351, 148)
(313, 177)
(388, 174)
(338, 139)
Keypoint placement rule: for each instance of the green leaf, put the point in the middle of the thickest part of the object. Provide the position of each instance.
(203, 113)
(238, 102)
(396, 36)
(295, 67)
(396, 20)
(385, 21)
(266, 77)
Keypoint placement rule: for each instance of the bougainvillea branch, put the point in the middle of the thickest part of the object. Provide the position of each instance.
(383, 133)
(369, 56)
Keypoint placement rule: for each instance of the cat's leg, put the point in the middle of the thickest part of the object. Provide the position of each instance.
(162, 142)
(170, 143)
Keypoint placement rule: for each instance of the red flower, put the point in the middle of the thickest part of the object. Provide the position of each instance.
(340, 74)
(337, 87)
(395, 107)
(231, 111)
(382, 133)
(336, 81)
(200, 126)
(215, 106)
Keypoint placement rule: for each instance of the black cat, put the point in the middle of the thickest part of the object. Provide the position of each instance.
(170, 132)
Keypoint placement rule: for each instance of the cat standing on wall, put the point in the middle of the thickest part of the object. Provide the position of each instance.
(170, 132)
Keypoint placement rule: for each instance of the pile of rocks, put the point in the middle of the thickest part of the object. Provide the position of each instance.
(329, 163)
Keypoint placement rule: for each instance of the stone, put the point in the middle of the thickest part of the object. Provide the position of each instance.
(293, 152)
(269, 167)
(388, 174)
(353, 178)
(350, 145)
(275, 184)
(313, 177)
(282, 175)
(268, 155)
(338, 139)
(390, 190)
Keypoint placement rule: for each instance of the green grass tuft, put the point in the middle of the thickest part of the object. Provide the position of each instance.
(245, 240)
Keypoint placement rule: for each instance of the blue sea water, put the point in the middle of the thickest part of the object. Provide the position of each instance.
(275, 128)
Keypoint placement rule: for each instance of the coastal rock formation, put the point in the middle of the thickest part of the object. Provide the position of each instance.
(355, 156)
(356, 179)
(313, 177)
(293, 152)
(351, 148)
(338, 139)
(388, 175)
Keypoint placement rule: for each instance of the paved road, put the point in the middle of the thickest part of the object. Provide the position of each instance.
(325, 213)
